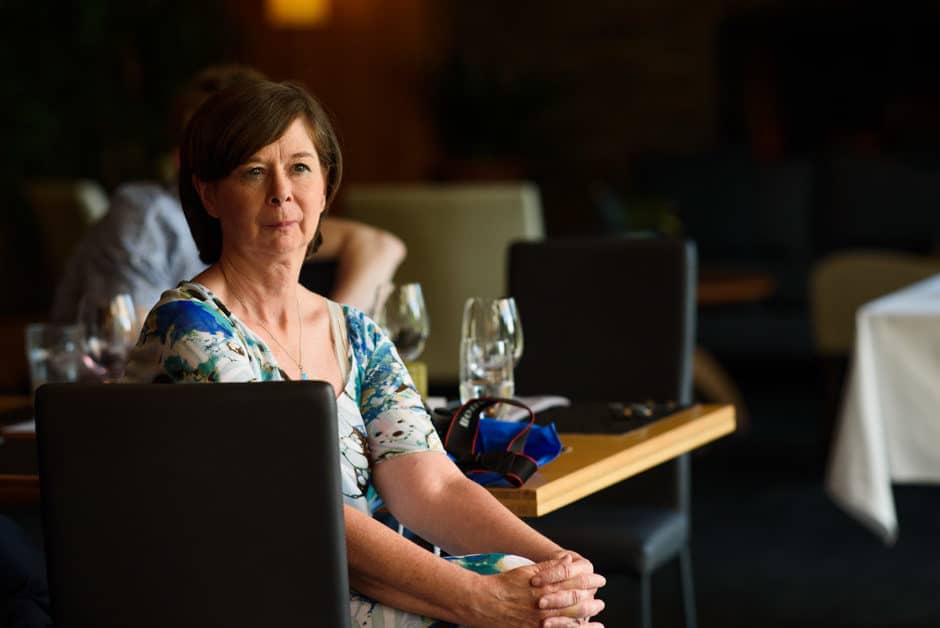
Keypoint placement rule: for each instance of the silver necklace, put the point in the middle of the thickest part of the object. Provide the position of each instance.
(300, 341)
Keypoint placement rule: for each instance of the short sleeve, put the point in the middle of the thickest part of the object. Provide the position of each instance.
(394, 415)
(188, 341)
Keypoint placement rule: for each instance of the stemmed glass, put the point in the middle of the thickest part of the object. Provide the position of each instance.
(402, 314)
(509, 319)
(111, 329)
(491, 344)
(494, 318)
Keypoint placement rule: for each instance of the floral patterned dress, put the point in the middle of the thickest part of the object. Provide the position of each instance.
(190, 336)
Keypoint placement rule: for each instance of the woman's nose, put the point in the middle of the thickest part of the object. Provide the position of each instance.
(279, 191)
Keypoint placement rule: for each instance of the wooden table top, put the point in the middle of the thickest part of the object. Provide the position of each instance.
(592, 462)
(588, 463)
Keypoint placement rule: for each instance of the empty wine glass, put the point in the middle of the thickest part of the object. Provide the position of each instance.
(402, 314)
(509, 319)
(111, 329)
(494, 319)
(486, 371)
(490, 334)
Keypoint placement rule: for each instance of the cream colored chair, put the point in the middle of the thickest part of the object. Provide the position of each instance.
(458, 237)
(838, 286)
(843, 282)
(64, 209)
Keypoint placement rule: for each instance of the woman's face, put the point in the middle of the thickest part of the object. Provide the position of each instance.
(269, 206)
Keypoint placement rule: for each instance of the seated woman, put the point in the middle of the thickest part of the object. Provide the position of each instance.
(260, 166)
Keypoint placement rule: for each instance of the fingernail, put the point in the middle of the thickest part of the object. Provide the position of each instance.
(536, 581)
(543, 602)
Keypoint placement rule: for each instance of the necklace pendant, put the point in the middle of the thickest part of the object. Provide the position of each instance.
(303, 374)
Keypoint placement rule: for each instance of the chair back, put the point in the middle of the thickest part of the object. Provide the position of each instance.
(63, 210)
(606, 319)
(841, 283)
(457, 237)
(192, 506)
(610, 319)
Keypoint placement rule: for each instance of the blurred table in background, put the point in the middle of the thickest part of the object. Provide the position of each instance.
(718, 286)
(19, 484)
(889, 428)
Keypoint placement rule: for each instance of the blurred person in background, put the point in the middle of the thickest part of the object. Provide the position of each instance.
(143, 245)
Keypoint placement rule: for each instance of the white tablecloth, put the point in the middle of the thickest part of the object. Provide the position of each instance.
(889, 428)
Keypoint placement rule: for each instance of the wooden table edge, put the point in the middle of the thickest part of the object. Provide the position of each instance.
(712, 422)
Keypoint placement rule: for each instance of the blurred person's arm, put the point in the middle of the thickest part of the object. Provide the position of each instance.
(366, 257)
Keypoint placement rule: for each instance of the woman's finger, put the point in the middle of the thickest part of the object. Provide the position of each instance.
(590, 582)
(567, 622)
(583, 608)
(551, 571)
(571, 592)
(560, 569)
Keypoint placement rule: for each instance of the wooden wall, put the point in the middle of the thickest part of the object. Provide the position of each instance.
(370, 64)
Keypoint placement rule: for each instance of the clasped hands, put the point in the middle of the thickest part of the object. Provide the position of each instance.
(554, 593)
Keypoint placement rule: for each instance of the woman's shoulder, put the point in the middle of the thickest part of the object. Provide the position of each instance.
(188, 307)
(364, 333)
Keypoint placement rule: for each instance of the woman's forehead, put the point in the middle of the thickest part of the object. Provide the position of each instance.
(297, 138)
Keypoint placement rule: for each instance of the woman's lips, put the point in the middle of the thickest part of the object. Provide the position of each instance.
(283, 224)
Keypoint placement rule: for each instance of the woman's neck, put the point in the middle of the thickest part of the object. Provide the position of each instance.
(269, 292)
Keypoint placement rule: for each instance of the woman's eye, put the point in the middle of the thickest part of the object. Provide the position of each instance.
(257, 171)
(301, 168)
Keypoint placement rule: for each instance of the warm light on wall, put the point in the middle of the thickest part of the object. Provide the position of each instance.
(296, 13)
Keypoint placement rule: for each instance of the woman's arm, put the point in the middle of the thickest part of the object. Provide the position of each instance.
(430, 495)
(393, 570)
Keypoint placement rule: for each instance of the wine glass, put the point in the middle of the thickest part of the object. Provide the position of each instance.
(494, 318)
(509, 319)
(487, 348)
(111, 329)
(486, 370)
(402, 314)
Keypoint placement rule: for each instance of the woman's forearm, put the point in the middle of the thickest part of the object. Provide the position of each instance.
(394, 571)
(445, 508)
(470, 520)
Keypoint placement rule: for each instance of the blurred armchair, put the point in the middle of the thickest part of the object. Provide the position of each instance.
(63, 209)
(457, 236)
(839, 285)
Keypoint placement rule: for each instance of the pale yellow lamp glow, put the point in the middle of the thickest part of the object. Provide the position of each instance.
(296, 13)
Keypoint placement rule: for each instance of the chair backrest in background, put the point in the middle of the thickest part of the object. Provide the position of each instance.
(64, 209)
(457, 237)
(606, 319)
(192, 506)
(842, 282)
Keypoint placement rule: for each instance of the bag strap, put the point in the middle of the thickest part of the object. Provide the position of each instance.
(461, 442)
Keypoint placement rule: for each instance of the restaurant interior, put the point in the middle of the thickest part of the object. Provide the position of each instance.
(795, 144)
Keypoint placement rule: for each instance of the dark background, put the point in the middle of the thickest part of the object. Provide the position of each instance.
(773, 133)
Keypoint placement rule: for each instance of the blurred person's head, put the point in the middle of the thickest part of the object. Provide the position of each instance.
(190, 97)
(200, 88)
(234, 126)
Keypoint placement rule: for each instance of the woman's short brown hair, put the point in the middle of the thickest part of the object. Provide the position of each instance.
(233, 125)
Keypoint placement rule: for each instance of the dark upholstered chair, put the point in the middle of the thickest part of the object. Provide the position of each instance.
(612, 319)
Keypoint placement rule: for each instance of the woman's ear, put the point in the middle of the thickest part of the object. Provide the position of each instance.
(206, 192)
